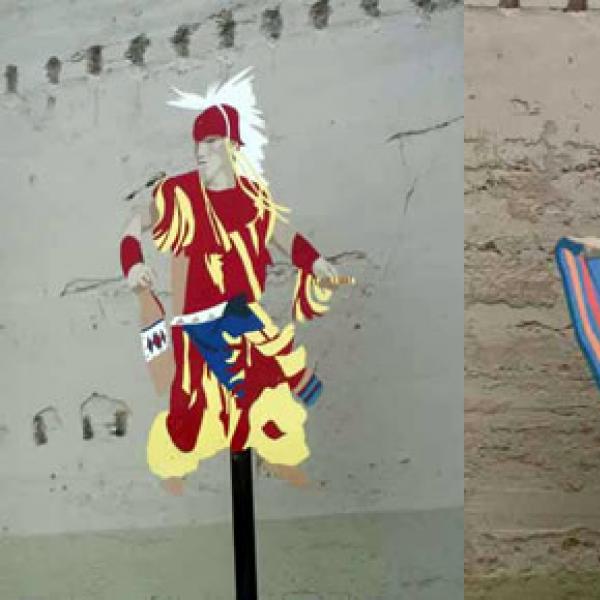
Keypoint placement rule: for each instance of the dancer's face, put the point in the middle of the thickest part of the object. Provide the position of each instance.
(212, 158)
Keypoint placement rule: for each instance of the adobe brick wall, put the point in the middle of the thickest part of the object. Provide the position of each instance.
(532, 175)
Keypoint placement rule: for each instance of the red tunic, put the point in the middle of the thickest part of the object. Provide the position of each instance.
(238, 214)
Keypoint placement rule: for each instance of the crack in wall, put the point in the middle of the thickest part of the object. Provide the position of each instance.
(424, 130)
(488, 246)
(409, 195)
(535, 324)
(151, 182)
(526, 107)
(340, 258)
(85, 284)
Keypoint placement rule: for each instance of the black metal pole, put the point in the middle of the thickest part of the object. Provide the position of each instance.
(244, 543)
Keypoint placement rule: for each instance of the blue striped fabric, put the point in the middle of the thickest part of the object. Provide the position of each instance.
(580, 276)
(311, 392)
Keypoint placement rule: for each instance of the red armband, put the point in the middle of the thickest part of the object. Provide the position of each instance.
(304, 254)
(131, 253)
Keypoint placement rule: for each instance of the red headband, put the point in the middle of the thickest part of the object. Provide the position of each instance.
(221, 120)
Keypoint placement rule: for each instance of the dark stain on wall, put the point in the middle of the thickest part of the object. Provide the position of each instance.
(576, 5)
(319, 14)
(137, 49)
(181, 40)
(120, 428)
(272, 23)
(226, 28)
(53, 68)
(12, 76)
(39, 430)
(103, 416)
(430, 6)
(94, 59)
(44, 421)
(371, 7)
(88, 432)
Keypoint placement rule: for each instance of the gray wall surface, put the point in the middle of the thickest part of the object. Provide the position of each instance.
(388, 432)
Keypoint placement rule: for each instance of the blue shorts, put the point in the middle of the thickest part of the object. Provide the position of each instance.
(208, 339)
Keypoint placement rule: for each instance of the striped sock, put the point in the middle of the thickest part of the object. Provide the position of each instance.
(311, 391)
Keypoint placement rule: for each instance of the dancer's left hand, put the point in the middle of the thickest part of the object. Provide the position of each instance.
(323, 269)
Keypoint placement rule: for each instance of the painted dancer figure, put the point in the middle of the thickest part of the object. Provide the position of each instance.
(236, 379)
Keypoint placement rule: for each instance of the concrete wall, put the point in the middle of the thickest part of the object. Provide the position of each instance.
(532, 175)
(335, 87)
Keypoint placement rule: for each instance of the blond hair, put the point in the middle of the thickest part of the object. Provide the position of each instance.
(180, 232)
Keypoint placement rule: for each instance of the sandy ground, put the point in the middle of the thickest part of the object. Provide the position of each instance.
(345, 557)
(559, 586)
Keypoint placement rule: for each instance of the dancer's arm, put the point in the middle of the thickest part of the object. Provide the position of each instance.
(139, 275)
(303, 255)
